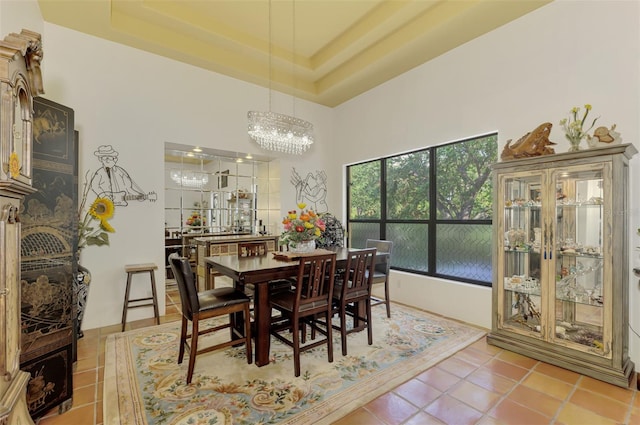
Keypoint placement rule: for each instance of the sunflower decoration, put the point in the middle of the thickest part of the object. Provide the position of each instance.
(14, 165)
(94, 226)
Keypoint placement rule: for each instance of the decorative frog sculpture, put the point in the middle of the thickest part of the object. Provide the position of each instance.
(534, 143)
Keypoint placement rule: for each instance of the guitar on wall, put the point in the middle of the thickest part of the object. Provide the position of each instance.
(121, 199)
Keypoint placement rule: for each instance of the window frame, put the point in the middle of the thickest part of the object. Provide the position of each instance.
(432, 222)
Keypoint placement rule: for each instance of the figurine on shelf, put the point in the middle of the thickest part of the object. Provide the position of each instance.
(603, 136)
(534, 143)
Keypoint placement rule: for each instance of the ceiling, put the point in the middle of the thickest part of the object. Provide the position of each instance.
(331, 52)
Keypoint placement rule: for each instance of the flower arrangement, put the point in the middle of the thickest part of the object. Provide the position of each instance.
(100, 211)
(302, 227)
(195, 219)
(574, 127)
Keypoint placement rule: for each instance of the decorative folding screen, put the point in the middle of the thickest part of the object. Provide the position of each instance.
(49, 239)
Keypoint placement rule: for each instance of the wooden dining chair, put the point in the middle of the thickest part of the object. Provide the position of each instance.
(259, 249)
(198, 306)
(382, 269)
(309, 301)
(352, 288)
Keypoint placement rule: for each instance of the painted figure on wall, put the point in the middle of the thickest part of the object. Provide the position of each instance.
(112, 181)
(311, 190)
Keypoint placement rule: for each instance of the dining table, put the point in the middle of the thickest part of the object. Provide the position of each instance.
(261, 271)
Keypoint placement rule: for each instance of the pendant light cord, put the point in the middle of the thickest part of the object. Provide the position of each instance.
(270, 59)
(293, 57)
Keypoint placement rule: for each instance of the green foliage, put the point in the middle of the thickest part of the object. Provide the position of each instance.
(408, 186)
(364, 181)
(464, 187)
(463, 182)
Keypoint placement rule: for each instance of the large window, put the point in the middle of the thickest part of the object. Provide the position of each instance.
(435, 204)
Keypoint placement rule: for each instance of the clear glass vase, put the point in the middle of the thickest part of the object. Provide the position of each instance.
(574, 143)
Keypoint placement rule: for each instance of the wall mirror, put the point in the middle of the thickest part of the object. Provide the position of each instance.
(211, 192)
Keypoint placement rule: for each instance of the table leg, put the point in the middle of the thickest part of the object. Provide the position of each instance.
(262, 321)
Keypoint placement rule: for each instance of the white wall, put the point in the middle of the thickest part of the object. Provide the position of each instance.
(16, 15)
(530, 71)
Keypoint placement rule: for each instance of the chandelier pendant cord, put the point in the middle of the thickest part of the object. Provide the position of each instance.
(281, 132)
(293, 56)
(270, 58)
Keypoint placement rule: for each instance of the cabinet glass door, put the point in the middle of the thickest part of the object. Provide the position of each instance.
(580, 297)
(521, 251)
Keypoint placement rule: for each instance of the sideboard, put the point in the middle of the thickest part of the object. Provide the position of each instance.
(224, 245)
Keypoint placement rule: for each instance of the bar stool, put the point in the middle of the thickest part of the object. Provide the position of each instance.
(132, 269)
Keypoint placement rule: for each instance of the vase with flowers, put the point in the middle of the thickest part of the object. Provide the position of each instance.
(573, 127)
(301, 229)
(93, 230)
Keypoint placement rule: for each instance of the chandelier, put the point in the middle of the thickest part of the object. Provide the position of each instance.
(280, 132)
(186, 178)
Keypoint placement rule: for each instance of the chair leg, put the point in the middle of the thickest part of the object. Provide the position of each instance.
(296, 346)
(386, 297)
(329, 337)
(343, 329)
(247, 334)
(183, 339)
(369, 324)
(126, 301)
(194, 348)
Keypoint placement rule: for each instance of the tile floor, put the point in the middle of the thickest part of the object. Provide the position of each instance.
(481, 384)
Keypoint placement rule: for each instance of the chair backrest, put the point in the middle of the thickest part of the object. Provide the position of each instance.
(315, 279)
(385, 247)
(358, 274)
(252, 249)
(186, 284)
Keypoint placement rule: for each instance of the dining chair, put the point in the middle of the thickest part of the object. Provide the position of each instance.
(382, 269)
(352, 288)
(305, 304)
(259, 249)
(198, 306)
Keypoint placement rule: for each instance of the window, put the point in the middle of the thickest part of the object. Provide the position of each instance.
(435, 204)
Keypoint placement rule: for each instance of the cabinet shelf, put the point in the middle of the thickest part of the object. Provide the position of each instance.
(561, 270)
(579, 255)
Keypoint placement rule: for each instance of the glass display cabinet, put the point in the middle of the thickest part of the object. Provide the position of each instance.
(560, 260)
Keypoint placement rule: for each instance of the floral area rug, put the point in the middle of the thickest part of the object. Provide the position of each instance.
(144, 385)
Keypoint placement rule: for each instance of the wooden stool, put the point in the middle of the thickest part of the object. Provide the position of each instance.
(132, 269)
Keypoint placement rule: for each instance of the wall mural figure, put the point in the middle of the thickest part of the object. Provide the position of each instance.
(114, 182)
(312, 190)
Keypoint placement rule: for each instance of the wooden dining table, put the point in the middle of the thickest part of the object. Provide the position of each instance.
(260, 271)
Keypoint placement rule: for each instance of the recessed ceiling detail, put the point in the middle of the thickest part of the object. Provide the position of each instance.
(335, 51)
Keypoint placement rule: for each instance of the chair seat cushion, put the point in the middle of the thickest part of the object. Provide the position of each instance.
(221, 297)
(337, 292)
(284, 301)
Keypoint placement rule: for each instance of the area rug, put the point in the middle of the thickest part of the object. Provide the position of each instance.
(143, 384)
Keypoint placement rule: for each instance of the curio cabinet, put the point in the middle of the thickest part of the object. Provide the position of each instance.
(560, 260)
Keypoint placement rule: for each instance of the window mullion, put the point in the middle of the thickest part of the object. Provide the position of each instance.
(431, 240)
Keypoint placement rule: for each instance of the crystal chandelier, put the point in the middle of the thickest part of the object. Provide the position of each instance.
(280, 132)
(192, 179)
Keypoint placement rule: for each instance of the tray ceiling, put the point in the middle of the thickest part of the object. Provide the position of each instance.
(336, 50)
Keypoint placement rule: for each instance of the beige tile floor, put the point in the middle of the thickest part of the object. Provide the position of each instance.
(481, 384)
